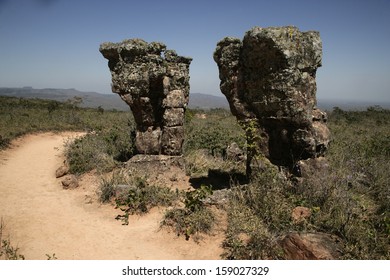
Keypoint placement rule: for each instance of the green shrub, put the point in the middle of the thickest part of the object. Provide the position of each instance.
(194, 218)
(4, 142)
(141, 197)
(189, 223)
(194, 199)
(120, 141)
(87, 153)
(107, 185)
(213, 134)
(101, 150)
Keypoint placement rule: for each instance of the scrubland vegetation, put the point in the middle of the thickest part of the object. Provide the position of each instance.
(350, 199)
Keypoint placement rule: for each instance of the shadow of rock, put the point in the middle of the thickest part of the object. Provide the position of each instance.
(219, 179)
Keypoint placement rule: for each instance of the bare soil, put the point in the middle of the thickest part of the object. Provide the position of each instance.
(42, 218)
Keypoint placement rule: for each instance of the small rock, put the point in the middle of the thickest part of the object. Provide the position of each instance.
(310, 246)
(62, 171)
(300, 214)
(70, 182)
(88, 199)
(233, 152)
(309, 167)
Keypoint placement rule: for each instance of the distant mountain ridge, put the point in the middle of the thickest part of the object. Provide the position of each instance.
(106, 101)
(197, 100)
(207, 101)
(90, 99)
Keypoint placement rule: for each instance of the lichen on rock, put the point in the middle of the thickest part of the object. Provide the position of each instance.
(269, 80)
(154, 82)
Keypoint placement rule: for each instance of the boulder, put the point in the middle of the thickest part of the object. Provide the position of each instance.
(310, 246)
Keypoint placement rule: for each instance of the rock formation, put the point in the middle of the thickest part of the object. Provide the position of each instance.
(269, 81)
(310, 246)
(154, 82)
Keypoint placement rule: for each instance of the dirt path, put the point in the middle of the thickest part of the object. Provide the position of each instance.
(42, 218)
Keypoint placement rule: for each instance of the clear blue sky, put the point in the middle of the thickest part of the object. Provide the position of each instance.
(55, 43)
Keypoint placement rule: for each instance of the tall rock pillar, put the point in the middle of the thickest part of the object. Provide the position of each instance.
(154, 82)
(269, 80)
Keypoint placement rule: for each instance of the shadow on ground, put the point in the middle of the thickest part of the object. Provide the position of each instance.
(219, 179)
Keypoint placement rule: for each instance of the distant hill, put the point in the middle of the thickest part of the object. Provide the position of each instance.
(106, 101)
(90, 99)
(197, 100)
(328, 105)
(207, 101)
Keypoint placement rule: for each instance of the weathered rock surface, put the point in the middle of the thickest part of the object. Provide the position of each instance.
(310, 167)
(234, 152)
(62, 171)
(159, 170)
(70, 182)
(300, 214)
(310, 246)
(154, 82)
(269, 81)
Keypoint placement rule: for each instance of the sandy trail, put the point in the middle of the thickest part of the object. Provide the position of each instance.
(42, 218)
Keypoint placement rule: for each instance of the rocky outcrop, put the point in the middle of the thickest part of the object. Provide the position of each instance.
(154, 82)
(269, 81)
(310, 246)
